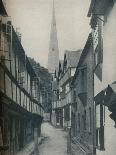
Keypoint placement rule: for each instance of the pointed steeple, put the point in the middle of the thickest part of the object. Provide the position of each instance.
(53, 55)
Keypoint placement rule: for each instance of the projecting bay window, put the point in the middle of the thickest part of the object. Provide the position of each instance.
(100, 123)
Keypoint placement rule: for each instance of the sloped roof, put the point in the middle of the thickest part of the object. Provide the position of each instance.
(83, 54)
(2, 8)
(98, 7)
(72, 57)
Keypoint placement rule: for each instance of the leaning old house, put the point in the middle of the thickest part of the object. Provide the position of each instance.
(20, 110)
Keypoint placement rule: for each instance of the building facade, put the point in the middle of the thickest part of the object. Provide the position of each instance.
(103, 25)
(63, 77)
(55, 96)
(82, 126)
(45, 81)
(87, 101)
(21, 112)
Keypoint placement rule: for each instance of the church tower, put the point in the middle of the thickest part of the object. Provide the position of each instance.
(53, 55)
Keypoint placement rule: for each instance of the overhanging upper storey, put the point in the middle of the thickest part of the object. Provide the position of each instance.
(107, 97)
(99, 7)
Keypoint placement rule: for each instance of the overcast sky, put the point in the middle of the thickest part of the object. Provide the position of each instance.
(33, 17)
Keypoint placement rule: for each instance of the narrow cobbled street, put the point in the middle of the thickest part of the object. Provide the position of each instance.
(55, 142)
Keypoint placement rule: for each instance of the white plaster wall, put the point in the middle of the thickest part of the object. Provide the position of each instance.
(109, 53)
(109, 42)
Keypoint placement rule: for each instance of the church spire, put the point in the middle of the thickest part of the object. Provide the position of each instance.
(53, 55)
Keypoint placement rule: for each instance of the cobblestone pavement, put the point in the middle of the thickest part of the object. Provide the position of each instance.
(55, 142)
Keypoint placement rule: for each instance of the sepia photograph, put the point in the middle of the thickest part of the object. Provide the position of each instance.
(57, 77)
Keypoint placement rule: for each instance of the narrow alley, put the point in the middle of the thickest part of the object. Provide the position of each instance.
(57, 77)
(55, 142)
